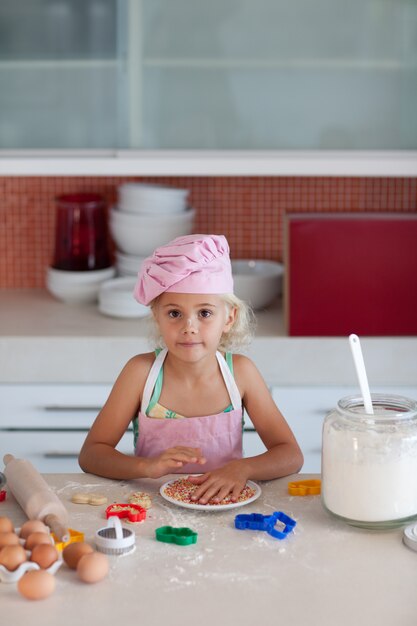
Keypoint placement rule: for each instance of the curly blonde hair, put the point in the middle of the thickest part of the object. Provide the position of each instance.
(235, 340)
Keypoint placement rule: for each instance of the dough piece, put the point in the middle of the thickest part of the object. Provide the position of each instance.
(80, 498)
(95, 499)
(141, 498)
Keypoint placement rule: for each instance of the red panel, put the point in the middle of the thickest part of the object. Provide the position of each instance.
(352, 274)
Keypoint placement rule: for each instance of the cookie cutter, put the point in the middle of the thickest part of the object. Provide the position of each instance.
(2, 484)
(114, 539)
(74, 537)
(181, 536)
(410, 536)
(305, 487)
(267, 523)
(133, 512)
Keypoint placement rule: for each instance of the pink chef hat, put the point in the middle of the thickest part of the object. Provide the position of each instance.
(190, 264)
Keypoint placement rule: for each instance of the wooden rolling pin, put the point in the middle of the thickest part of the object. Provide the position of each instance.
(35, 496)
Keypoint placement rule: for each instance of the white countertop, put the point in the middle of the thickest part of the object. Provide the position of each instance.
(44, 340)
(324, 573)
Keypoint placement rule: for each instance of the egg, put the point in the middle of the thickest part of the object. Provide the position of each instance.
(93, 567)
(6, 525)
(35, 539)
(44, 555)
(73, 552)
(36, 585)
(8, 539)
(12, 556)
(32, 526)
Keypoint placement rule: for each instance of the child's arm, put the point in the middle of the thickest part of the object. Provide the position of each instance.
(98, 454)
(283, 455)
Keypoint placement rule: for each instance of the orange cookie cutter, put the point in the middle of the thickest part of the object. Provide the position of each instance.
(133, 512)
(75, 536)
(305, 487)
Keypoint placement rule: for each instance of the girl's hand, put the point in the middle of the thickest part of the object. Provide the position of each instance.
(172, 459)
(216, 485)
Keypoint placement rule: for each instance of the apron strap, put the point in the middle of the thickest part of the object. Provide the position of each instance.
(230, 382)
(151, 380)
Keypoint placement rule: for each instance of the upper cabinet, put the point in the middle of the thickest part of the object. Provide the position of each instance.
(208, 75)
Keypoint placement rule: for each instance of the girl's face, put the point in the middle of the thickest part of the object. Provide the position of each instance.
(192, 324)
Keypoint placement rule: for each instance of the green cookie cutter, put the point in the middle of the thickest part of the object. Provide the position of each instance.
(180, 536)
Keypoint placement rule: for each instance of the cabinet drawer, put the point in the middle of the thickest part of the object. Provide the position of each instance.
(51, 406)
(51, 451)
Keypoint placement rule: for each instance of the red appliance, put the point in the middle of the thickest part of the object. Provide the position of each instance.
(81, 233)
(351, 273)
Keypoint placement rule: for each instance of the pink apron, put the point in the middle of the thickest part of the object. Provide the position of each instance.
(219, 436)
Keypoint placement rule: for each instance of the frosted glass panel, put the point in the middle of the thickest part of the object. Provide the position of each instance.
(208, 74)
(61, 74)
(274, 74)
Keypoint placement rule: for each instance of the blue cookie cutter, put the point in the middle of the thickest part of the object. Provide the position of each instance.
(257, 521)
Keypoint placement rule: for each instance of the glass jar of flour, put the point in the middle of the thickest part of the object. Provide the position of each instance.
(369, 462)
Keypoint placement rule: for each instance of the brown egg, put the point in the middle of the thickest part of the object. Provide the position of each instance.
(73, 552)
(44, 555)
(93, 567)
(6, 525)
(36, 585)
(36, 538)
(8, 539)
(32, 526)
(12, 556)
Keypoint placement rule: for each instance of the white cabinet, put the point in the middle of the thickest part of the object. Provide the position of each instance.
(47, 424)
(305, 408)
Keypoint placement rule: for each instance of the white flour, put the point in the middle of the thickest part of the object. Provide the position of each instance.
(368, 477)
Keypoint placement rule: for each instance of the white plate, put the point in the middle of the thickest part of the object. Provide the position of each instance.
(211, 507)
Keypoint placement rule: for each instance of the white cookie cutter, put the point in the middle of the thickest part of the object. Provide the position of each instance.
(410, 536)
(115, 539)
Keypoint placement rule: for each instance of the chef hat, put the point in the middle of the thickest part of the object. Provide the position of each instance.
(190, 264)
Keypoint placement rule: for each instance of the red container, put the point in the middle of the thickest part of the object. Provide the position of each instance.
(351, 273)
(81, 233)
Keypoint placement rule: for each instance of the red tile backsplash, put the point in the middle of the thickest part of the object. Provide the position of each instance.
(248, 210)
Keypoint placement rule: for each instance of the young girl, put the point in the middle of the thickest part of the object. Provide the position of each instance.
(187, 399)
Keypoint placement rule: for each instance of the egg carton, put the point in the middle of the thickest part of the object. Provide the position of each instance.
(12, 576)
(7, 576)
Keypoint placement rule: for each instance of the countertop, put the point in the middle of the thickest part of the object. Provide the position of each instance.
(44, 340)
(324, 573)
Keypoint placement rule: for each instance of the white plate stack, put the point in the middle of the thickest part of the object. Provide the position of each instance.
(148, 216)
(116, 299)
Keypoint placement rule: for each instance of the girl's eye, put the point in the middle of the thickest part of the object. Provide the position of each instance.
(174, 314)
(205, 313)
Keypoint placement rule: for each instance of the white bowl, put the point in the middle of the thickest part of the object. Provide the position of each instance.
(257, 282)
(145, 198)
(140, 234)
(77, 287)
(116, 299)
(128, 264)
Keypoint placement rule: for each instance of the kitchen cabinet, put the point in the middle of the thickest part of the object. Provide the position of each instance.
(305, 408)
(47, 424)
(151, 75)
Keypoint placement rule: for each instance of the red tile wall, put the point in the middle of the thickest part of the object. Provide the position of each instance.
(249, 211)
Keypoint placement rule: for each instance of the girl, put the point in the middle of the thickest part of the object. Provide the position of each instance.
(189, 397)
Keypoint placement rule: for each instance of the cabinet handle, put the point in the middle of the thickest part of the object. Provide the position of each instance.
(60, 455)
(66, 408)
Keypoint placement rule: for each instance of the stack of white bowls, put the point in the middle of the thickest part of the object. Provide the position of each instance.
(116, 299)
(148, 216)
(77, 287)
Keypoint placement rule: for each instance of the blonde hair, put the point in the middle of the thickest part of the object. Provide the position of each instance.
(235, 340)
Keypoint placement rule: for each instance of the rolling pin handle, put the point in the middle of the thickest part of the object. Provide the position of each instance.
(59, 530)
